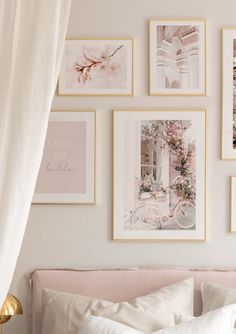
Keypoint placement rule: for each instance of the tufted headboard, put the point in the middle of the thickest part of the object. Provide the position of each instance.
(117, 284)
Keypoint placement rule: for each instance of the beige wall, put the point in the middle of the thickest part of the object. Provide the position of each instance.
(74, 236)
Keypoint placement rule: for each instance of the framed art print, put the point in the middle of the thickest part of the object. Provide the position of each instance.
(229, 93)
(177, 57)
(159, 175)
(67, 172)
(97, 67)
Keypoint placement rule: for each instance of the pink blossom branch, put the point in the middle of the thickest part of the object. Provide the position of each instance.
(111, 55)
(84, 70)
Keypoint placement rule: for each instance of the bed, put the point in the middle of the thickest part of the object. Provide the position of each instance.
(117, 284)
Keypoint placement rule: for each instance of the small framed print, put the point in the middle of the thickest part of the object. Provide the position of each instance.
(159, 175)
(229, 93)
(177, 57)
(67, 172)
(97, 67)
(233, 204)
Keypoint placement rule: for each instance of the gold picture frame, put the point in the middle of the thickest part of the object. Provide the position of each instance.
(129, 91)
(202, 47)
(119, 234)
(228, 151)
(89, 196)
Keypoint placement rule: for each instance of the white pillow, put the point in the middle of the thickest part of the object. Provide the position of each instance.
(64, 311)
(220, 321)
(179, 318)
(100, 325)
(215, 296)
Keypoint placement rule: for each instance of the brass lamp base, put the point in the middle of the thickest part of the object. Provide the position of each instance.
(4, 318)
(11, 306)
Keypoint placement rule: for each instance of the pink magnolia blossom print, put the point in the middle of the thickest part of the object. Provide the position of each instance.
(91, 63)
(96, 67)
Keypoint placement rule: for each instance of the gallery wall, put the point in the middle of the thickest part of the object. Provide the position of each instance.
(81, 236)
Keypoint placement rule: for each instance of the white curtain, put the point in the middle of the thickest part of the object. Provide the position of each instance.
(32, 34)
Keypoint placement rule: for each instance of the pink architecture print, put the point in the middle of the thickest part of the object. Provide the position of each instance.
(177, 57)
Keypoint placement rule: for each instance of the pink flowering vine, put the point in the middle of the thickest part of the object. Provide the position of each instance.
(171, 133)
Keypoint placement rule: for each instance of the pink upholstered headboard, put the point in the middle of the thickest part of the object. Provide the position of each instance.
(117, 284)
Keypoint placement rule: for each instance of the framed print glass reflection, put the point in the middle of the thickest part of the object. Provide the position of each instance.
(97, 67)
(229, 93)
(159, 175)
(67, 172)
(177, 57)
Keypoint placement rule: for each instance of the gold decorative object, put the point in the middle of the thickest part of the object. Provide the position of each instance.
(11, 306)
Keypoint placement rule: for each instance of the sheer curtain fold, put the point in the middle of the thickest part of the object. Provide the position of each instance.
(32, 35)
